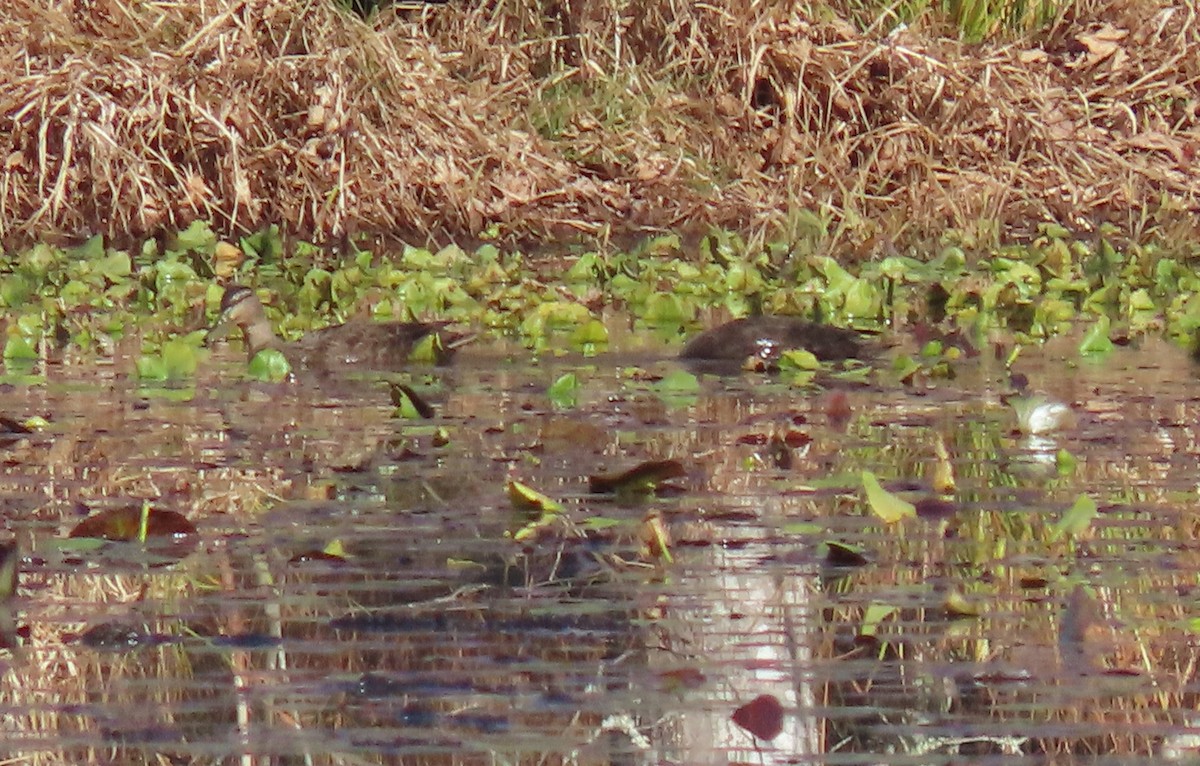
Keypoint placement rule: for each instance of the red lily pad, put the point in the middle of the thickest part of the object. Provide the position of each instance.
(125, 524)
(761, 716)
(756, 439)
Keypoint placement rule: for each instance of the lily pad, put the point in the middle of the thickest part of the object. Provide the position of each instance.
(761, 716)
(526, 498)
(1097, 342)
(270, 366)
(841, 554)
(564, 392)
(1077, 518)
(133, 523)
(410, 403)
(957, 605)
(887, 506)
(19, 348)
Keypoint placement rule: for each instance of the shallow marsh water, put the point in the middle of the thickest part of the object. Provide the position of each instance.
(438, 639)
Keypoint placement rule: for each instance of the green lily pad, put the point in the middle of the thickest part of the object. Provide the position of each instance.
(887, 506)
(410, 404)
(1077, 519)
(798, 359)
(679, 382)
(1096, 342)
(564, 392)
(874, 616)
(526, 498)
(18, 348)
(180, 359)
(269, 366)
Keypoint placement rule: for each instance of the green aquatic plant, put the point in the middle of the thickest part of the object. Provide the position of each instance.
(177, 359)
(889, 507)
(563, 393)
(92, 295)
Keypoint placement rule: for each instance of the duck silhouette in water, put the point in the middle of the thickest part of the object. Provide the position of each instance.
(766, 337)
(356, 345)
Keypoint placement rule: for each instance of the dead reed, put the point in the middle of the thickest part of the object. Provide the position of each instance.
(591, 118)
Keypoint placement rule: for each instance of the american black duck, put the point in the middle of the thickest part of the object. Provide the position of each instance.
(766, 337)
(356, 345)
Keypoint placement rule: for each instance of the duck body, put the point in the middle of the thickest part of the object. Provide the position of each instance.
(365, 345)
(356, 345)
(767, 336)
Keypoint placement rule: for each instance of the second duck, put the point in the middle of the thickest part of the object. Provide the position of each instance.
(765, 337)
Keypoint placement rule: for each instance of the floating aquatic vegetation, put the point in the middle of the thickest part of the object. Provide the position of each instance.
(761, 716)
(889, 507)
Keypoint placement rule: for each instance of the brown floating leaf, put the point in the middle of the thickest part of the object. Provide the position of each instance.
(797, 439)
(756, 439)
(761, 716)
(837, 407)
(844, 555)
(226, 258)
(935, 508)
(779, 453)
(640, 478)
(125, 524)
(1101, 44)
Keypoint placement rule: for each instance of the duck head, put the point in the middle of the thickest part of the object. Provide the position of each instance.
(241, 308)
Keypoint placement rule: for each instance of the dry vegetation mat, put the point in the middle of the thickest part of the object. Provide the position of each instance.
(540, 122)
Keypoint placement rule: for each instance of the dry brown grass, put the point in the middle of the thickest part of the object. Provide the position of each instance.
(589, 117)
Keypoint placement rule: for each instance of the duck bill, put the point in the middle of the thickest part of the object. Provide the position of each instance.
(455, 340)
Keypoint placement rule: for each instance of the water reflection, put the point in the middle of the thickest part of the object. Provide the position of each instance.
(435, 637)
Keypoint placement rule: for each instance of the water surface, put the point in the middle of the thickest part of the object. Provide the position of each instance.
(437, 638)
